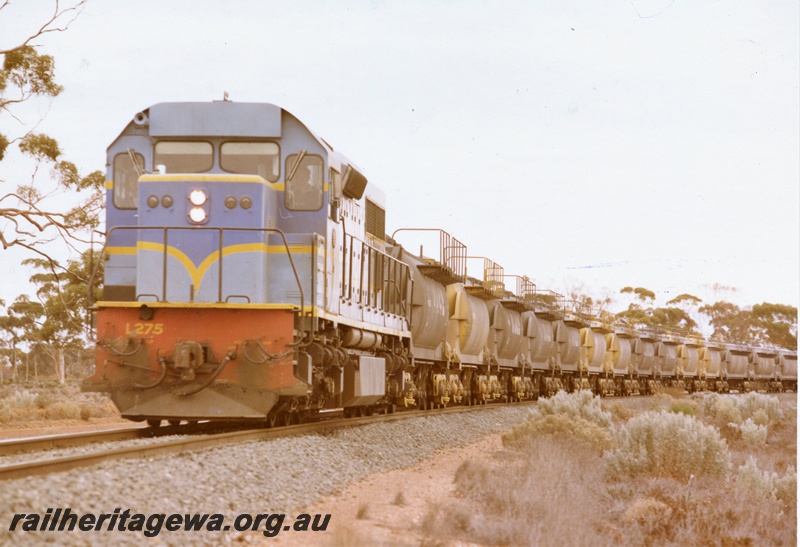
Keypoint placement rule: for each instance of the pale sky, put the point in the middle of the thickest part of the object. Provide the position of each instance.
(645, 143)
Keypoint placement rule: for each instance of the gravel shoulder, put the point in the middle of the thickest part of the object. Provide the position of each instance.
(277, 476)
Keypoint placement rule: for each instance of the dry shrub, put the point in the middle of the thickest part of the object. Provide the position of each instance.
(674, 392)
(400, 499)
(706, 511)
(528, 433)
(5, 411)
(363, 511)
(753, 402)
(660, 401)
(44, 399)
(580, 404)
(726, 409)
(662, 443)
(751, 433)
(769, 485)
(86, 413)
(760, 417)
(527, 501)
(63, 410)
(22, 399)
(650, 514)
(619, 411)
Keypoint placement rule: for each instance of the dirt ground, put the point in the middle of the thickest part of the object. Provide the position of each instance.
(388, 508)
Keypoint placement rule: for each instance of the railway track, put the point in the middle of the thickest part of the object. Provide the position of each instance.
(195, 441)
(69, 440)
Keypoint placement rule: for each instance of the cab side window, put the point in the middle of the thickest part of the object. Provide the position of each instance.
(126, 180)
(304, 190)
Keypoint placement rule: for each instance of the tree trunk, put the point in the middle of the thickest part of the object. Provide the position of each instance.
(60, 365)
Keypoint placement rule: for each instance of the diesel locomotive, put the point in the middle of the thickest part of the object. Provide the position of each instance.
(248, 276)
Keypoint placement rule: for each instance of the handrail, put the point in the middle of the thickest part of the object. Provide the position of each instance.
(525, 288)
(389, 269)
(452, 253)
(492, 276)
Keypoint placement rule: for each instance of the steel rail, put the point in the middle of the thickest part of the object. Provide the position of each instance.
(66, 463)
(70, 440)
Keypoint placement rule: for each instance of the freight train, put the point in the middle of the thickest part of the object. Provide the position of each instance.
(248, 275)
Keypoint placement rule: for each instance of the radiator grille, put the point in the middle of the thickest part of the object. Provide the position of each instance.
(376, 221)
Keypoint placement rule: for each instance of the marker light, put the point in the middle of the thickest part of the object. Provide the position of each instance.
(152, 201)
(166, 201)
(246, 202)
(197, 215)
(198, 197)
(230, 202)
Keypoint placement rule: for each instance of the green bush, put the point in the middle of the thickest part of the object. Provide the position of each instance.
(683, 408)
(667, 444)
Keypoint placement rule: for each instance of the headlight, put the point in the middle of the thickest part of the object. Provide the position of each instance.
(197, 215)
(198, 197)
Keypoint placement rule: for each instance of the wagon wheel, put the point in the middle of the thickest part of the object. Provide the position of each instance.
(272, 420)
(154, 422)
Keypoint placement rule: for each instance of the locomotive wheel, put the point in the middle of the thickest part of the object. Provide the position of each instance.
(153, 422)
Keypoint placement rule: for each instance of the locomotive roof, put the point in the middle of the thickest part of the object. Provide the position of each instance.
(225, 119)
(215, 119)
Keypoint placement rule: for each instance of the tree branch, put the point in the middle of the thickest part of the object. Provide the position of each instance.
(51, 24)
